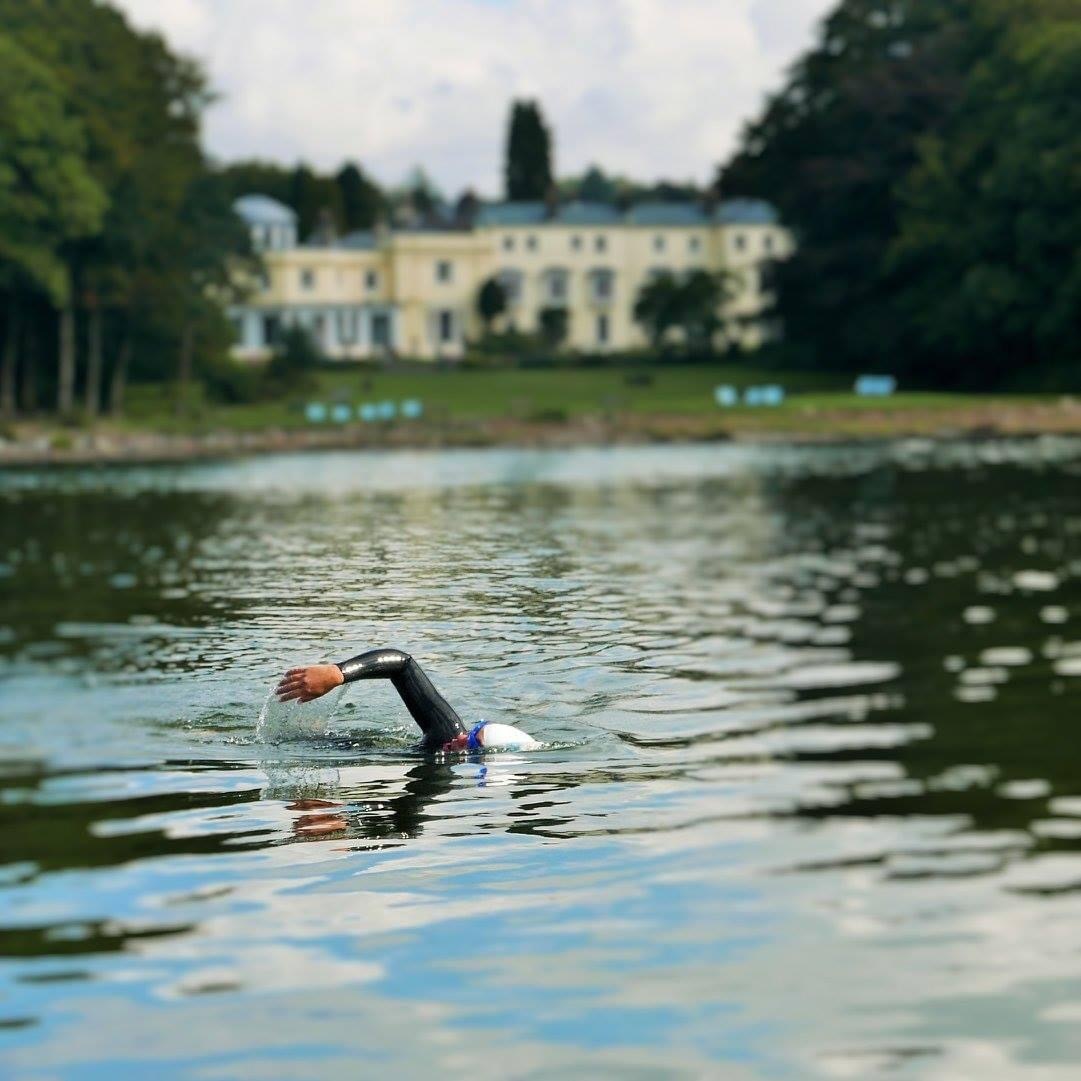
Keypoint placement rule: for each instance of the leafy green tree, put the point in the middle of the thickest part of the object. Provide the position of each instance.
(830, 150)
(528, 165)
(990, 217)
(140, 108)
(48, 198)
(491, 302)
(210, 255)
(258, 177)
(657, 307)
(691, 304)
(554, 323)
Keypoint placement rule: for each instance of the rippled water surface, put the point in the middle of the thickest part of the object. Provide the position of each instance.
(809, 803)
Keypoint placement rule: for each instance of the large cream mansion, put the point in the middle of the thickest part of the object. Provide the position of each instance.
(412, 291)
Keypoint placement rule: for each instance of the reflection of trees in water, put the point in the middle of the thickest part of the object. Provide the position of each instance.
(956, 538)
(85, 561)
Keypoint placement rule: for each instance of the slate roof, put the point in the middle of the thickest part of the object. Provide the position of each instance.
(524, 213)
(666, 214)
(658, 214)
(745, 212)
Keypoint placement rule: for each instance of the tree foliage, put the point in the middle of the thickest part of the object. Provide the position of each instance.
(491, 302)
(528, 165)
(828, 152)
(990, 216)
(99, 125)
(927, 156)
(48, 197)
(691, 304)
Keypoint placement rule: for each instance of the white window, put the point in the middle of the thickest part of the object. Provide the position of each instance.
(531, 243)
(600, 243)
(347, 326)
(740, 242)
(601, 285)
(556, 282)
(508, 243)
(767, 243)
(444, 270)
(658, 243)
(576, 243)
(381, 330)
(694, 243)
(307, 278)
(371, 280)
(602, 329)
(511, 280)
(446, 327)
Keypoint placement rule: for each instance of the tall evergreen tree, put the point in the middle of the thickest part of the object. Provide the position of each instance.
(528, 166)
(361, 199)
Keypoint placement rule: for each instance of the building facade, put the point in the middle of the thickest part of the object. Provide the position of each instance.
(412, 291)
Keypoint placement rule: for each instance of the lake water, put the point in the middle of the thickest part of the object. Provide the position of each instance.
(809, 803)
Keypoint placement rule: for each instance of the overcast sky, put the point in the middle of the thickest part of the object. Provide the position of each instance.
(650, 88)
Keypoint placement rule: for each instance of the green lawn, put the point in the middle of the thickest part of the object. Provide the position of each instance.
(474, 394)
(481, 394)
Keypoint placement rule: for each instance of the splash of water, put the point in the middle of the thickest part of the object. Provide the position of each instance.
(287, 722)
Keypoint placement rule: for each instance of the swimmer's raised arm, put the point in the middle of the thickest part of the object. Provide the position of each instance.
(435, 716)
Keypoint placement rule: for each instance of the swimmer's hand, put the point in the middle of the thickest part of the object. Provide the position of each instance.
(307, 684)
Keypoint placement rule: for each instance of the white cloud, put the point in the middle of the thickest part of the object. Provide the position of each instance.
(647, 87)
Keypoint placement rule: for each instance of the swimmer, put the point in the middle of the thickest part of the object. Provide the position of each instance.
(442, 727)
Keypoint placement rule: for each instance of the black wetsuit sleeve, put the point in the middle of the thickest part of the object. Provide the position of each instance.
(428, 707)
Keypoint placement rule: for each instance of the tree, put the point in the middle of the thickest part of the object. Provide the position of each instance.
(210, 255)
(294, 361)
(657, 307)
(691, 304)
(553, 324)
(361, 199)
(528, 165)
(259, 177)
(830, 150)
(48, 199)
(316, 199)
(990, 217)
(491, 302)
(596, 187)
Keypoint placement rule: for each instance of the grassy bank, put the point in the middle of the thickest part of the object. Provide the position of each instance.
(474, 407)
(470, 395)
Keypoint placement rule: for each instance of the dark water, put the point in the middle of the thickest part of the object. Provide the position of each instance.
(810, 804)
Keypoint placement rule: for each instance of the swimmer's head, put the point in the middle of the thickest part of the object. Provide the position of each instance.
(492, 737)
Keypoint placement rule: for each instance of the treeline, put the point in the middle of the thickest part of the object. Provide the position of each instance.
(928, 157)
(116, 236)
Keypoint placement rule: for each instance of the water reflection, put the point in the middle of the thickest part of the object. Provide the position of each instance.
(808, 804)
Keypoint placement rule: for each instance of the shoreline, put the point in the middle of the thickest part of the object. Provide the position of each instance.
(37, 444)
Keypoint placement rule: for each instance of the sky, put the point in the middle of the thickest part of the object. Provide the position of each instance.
(649, 88)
